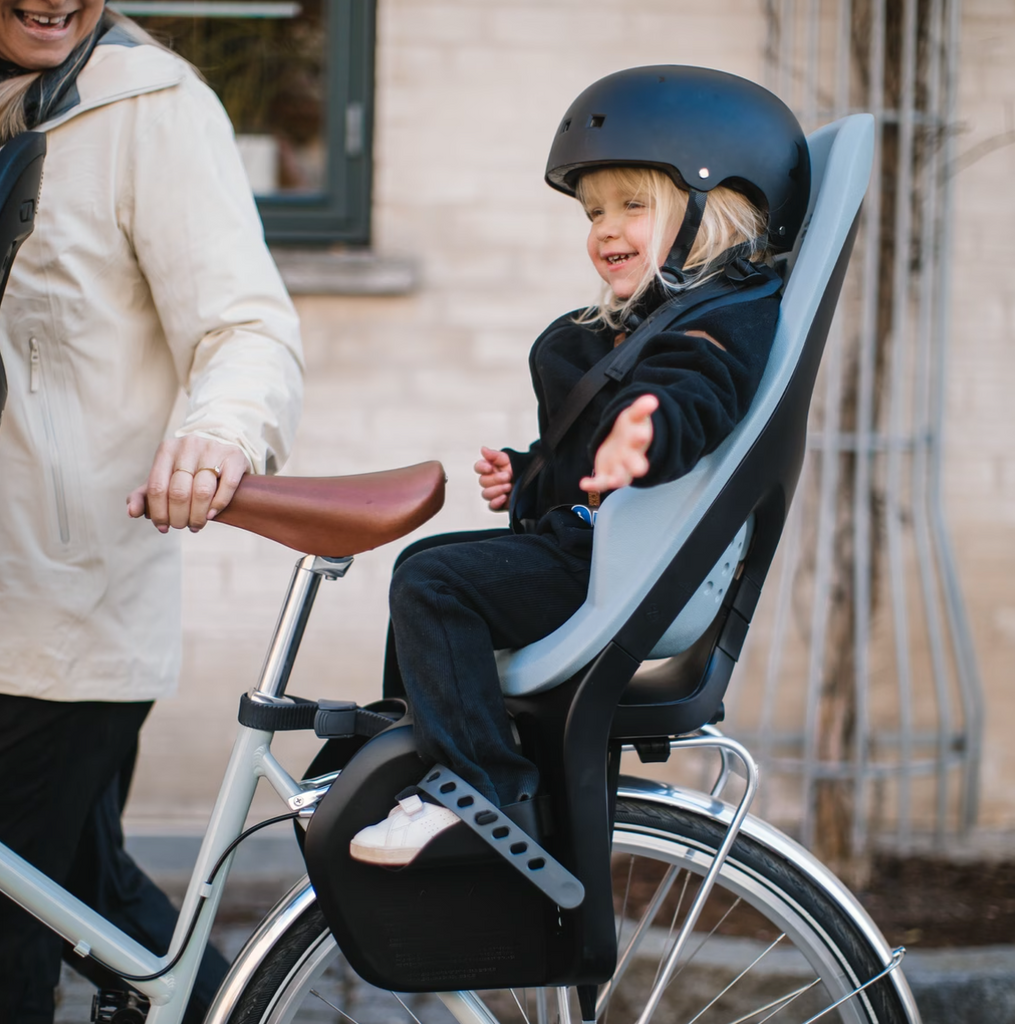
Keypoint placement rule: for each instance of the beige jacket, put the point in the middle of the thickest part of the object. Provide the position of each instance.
(147, 270)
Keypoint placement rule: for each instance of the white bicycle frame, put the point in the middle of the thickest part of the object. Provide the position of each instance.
(251, 759)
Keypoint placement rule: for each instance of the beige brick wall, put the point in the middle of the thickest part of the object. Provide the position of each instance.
(468, 96)
(980, 457)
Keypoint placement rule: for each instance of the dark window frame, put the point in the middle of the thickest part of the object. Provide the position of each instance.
(342, 213)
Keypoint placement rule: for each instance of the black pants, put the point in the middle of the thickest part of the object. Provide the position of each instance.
(454, 600)
(65, 769)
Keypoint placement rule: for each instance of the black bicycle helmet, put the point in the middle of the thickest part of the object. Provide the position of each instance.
(703, 128)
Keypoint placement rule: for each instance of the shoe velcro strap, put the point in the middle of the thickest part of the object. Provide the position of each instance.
(516, 846)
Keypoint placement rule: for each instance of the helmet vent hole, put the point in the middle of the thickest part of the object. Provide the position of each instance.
(564, 127)
(597, 120)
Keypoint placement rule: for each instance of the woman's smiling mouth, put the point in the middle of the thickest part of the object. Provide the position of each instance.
(40, 34)
(46, 22)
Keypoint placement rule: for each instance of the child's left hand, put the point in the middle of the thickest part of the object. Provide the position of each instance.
(621, 457)
(495, 476)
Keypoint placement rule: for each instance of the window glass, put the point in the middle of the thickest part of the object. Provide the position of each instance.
(266, 61)
(296, 78)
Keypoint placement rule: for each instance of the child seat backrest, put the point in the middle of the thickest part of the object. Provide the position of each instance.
(640, 531)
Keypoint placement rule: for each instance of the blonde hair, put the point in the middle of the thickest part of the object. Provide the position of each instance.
(13, 90)
(730, 219)
(12, 105)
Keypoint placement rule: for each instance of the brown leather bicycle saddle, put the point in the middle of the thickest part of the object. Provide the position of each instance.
(338, 515)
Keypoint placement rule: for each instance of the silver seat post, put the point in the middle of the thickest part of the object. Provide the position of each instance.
(292, 620)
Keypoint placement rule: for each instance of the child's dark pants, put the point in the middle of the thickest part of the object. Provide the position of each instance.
(454, 600)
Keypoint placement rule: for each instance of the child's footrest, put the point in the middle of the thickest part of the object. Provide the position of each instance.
(491, 824)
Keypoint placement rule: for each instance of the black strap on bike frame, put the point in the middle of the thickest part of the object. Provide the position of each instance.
(330, 719)
(740, 281)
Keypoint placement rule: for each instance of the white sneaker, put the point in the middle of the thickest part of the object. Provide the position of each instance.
(409, 826)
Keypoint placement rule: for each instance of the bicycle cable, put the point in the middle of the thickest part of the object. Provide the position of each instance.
(200, 904)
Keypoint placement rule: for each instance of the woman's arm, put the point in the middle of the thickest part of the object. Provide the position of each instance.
(229, 323)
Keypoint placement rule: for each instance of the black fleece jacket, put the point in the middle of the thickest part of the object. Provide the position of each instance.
(703, 392)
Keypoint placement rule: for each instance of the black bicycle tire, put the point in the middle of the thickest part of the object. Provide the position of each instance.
(842, 934)
(259, 993)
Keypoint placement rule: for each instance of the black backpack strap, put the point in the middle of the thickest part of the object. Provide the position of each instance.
(740, 281)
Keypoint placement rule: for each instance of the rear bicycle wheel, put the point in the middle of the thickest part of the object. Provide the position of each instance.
(773, 943)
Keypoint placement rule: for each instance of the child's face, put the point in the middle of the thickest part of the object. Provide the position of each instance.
(620, 237)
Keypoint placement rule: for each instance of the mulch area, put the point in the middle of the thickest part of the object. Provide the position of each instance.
(921, 902)
(917, 902)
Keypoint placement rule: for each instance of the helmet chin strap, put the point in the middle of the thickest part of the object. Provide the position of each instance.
(672, 271)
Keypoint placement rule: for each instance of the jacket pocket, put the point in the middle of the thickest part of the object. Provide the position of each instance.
(54, 457)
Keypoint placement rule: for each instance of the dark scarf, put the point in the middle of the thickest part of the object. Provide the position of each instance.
(46, 93)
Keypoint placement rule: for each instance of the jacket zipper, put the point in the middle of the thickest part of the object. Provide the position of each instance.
(35, 385)
(35, 367)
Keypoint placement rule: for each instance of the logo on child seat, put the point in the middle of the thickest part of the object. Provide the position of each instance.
(586, 514)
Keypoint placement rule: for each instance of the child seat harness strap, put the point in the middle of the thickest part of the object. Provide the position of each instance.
(739, 281)
(492, 825)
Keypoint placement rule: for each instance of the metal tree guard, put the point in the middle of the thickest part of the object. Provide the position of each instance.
(871, 706)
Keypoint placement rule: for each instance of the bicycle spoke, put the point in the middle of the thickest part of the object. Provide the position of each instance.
(698, 948)
(746, 970)
(673, 924)
(406, 1008)
(897, 955)
(627, 893)
(658, 897)
(521, 1009)
(782, 1002)
(779, 1005)
(337, 1009)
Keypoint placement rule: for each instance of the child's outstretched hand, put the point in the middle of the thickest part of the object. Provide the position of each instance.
(495, 474)
(621, 457)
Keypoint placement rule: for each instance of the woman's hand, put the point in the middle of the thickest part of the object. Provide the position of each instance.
(621, 457)
(192, 479)
(495, 475)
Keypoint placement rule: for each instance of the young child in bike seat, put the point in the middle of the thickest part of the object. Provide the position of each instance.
(691, 179)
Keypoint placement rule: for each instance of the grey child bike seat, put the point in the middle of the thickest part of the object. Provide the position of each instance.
(574, 695)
